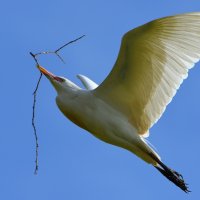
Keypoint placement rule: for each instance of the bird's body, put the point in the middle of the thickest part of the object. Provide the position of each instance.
(153, 61)
(104, 122)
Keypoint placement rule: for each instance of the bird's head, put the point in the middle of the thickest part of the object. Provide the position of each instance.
(60, 83)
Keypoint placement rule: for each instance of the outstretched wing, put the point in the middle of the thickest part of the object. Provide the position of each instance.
(152, 63)
(88, 83)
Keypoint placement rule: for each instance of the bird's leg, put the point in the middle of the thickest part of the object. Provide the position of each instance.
(170, 174)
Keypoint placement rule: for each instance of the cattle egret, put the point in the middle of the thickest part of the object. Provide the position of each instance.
(153, 61)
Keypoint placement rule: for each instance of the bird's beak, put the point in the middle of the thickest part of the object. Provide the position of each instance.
(45, 72)
(49, 74)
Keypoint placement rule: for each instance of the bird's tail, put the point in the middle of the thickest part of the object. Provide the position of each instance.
(171, 175)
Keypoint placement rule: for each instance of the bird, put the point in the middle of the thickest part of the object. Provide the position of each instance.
(152, 63)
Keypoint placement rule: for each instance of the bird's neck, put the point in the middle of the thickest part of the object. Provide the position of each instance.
(69, 105)
(67, 94)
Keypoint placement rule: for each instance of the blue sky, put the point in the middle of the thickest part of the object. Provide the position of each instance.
(72, 163)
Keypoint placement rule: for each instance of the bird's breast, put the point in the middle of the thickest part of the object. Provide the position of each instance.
(100, 119)
(72, 113)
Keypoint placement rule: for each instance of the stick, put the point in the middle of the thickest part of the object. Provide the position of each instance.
(56, 51)
(35, 94)
(33, 124)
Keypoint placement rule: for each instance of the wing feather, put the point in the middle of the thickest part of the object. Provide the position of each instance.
(153, 61)
(88, 83)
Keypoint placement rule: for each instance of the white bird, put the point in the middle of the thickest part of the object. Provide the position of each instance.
(153, 61)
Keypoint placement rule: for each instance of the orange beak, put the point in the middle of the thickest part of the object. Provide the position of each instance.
(45, 72)
(49, 74)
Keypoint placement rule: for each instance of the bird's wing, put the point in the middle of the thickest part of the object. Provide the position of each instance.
(153, 61)
(89, 84)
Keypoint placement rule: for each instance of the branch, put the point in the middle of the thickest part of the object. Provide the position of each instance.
(56, 51)
(35, 93)
(33, 124)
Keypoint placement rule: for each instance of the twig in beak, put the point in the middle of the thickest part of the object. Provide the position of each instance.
(35, 94)
(56, 51)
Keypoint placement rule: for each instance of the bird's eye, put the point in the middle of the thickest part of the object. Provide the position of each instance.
(59, 79)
